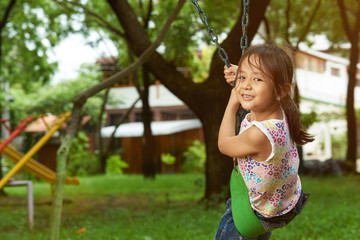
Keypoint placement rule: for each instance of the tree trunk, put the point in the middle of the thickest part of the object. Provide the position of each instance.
(61, 157)
(103, 154)
(353, 36)
(350, 110)
(148, 142)
(208, 99)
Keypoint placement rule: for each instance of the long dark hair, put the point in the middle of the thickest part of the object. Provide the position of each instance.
(277, 64)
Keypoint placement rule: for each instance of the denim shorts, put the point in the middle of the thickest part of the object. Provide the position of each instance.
(227, 229)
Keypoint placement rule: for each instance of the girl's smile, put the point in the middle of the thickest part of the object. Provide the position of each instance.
(247, 97)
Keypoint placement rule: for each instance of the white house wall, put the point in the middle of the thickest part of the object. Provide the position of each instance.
(323, 87)
(159, 96)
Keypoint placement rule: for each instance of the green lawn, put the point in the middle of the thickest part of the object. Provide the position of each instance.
(129, 207)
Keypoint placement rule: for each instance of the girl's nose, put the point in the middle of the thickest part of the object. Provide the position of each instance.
(246, 84)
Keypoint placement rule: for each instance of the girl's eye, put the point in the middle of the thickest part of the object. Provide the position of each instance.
(241, 78)
(257, 79)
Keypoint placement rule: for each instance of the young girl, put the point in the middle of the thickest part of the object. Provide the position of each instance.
(265, 148)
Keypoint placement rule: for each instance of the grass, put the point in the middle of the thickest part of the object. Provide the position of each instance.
(129, 207)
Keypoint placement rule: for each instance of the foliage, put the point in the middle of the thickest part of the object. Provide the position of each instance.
(115, 165)
(296, 23)
(194, 158)
(339, 145)
(200, 63)
(185, 36)
(168, 159)
(57, 99)
(6, 165)
(308, 119)
(129, 207)
(81, 161)
(33, 27)
(331, 29)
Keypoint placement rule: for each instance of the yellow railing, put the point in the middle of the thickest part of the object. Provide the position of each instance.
(34, 149)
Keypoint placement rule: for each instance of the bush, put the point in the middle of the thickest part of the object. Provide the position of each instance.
(194, 158)
(168, 159)
(115, 165)
(339, 146)
(81, 162)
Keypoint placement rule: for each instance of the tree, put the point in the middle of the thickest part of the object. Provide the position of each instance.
(32, 28)
(350, 15)
(79, 102)
(289, 26)
(207, 99)
(96, 21)
(57, 99)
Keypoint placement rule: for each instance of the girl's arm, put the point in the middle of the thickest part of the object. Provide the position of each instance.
(250, 142)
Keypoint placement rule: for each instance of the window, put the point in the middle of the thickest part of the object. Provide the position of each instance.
(115, 118)
(177, 115)
(335, 71)
(138, 117)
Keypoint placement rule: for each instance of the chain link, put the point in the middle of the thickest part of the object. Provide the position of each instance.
(244, 24)
(211, 33)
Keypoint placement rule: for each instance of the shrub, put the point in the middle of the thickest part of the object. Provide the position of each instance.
(168, 159)
(81, 162)
(339, 146)
(194, 158)
(115, 165)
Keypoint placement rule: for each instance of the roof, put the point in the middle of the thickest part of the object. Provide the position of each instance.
(44, 123)
(136, 129)
(328, 57)
(159, 96)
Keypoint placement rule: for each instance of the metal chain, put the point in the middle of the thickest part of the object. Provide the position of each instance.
(214, 38)
(244, 25)
(211, 33)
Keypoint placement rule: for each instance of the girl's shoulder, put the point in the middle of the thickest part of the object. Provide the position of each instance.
(276, 123)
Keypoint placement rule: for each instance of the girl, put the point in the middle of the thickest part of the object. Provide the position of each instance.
(265, 148)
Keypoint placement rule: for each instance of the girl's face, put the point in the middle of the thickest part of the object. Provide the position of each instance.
(254, 90)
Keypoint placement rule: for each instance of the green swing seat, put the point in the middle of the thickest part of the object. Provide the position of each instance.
(246, 222)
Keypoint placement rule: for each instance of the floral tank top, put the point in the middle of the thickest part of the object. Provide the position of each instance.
(274, 185)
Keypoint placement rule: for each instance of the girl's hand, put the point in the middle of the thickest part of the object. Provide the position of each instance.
(230, 73)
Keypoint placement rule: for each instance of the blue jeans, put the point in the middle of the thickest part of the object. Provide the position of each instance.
(227, 229)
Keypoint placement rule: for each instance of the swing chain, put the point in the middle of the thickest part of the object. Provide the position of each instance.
(211, 33)
(244, 24)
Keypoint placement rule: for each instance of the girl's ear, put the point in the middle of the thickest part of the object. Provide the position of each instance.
(284, 90)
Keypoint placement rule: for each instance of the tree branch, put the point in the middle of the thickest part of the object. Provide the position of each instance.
(345, 21)
(6, 14)
(163, 70)
(141, 60)
(117, 125)
(357, 23)
(148, 15)
(96, 16)
(308, 25)
(287, 18)
(267, 29)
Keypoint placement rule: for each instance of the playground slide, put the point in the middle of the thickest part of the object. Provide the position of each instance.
(35, 167)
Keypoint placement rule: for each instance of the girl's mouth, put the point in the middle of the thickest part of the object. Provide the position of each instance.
(247, 97)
